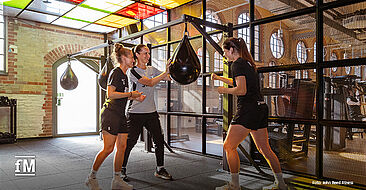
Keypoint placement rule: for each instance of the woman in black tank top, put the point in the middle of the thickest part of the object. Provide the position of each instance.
(251, 114)
(113, 120)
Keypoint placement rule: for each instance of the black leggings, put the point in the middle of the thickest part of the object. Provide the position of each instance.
(152, 123)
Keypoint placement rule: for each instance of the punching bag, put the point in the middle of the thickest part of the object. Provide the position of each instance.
(185, 67)
(104, 73)
(68, 79)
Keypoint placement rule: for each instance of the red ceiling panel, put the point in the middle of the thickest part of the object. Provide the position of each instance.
(139, 11)
(75, 1)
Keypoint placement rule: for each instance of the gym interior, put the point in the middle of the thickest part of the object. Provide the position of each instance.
(315, 95)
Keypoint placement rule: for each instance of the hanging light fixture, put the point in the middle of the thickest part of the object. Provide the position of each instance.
(280, 32)
(355, 19)
(354, 22)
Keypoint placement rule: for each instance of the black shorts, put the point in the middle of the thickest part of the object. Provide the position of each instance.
(113, 122)
(251, 116)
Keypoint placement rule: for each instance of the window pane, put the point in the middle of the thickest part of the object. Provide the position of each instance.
(214, 140)
(2, 30)
(158, 58)
(186, 98)
(301, 52)
(159, 36)
(199, 54)
(211, 16)
(245, 34)
(276, 44)
(186, 132)
(2, 47)
(344, 158)
(160, 95)
(2, 68)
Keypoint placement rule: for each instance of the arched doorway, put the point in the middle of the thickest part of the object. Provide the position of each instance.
(76, 112)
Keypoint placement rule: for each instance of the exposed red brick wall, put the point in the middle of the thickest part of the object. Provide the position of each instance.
(50, 58)
(29, 77)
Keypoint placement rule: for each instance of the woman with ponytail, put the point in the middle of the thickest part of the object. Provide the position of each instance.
(113, 120)
(251, 114)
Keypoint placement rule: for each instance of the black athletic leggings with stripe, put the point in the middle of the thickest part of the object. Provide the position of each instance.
(151, 122)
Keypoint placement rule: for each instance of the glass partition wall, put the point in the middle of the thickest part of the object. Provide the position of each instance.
(311, 59)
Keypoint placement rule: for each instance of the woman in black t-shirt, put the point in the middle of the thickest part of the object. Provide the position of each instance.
(113, 119)
(251, 114)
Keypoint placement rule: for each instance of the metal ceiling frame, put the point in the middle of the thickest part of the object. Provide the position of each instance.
(196, 22)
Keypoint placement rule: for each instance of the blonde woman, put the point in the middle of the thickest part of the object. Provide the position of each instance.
(113, 120)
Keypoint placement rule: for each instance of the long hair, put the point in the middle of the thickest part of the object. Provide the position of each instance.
(119, 51)
(239, 45)
(137, 49)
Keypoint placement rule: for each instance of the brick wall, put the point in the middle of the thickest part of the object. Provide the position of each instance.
(29, 76)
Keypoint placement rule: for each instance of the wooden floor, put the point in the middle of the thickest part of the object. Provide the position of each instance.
(347, 164)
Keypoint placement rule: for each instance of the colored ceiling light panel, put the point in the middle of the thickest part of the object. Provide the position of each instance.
(106, 5)
(98, 28)
(75, 1)
(84, 14)
(116, 21)
(53, 7)
(139, 11)
(21, 4)
(169, 4)
(40, 17)
(69, 23)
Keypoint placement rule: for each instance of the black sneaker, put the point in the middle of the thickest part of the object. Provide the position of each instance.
(162, 173)
(124, 175)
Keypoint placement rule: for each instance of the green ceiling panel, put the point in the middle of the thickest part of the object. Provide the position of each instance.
(76, 19)
(21, 4)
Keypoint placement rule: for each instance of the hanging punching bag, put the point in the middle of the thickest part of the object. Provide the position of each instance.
(185, 66)
(68, 79)
(104, 73)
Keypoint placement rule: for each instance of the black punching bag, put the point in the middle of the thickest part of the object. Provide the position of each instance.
(104, 74)
(185, 66)
(68, 79)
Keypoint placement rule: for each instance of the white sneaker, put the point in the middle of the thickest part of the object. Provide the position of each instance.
(92, 183)
(275, 186)
(228, 186)
(118, 183)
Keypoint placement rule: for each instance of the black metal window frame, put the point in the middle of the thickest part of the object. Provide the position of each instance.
(319, 65)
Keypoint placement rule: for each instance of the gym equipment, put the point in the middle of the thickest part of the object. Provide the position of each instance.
(295, 101)
(7, 120)
(104, 73)
(344, 105)
(185, 66)
(68, 79)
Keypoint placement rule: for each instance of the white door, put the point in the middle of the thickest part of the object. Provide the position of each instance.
(77, 109)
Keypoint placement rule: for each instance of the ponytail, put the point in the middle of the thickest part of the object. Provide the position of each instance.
(239, 45)
(119, 51)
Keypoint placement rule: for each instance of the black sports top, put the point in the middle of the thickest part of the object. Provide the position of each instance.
(119, 80)
(241, 67)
